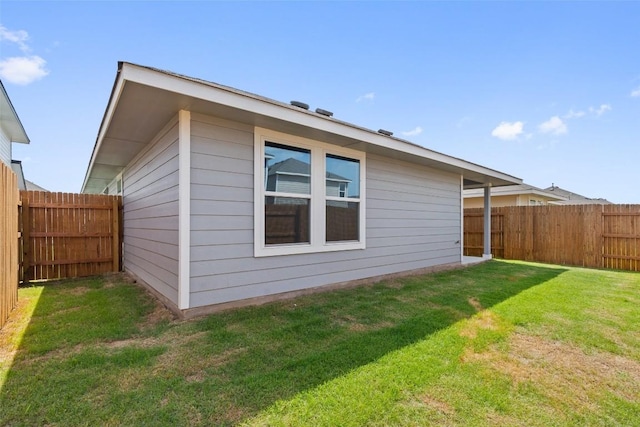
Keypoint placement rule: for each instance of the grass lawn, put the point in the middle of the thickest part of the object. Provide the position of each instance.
(502, 343)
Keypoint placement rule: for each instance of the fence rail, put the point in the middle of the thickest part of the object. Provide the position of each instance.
(8, 242)
(69, 235)
(596, 236)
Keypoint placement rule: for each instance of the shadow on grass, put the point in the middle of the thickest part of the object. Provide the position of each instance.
(99, 359)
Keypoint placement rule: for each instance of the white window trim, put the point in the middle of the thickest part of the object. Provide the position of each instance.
(319, 150)
(121, 181)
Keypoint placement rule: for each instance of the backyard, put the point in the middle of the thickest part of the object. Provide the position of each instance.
(500, 343)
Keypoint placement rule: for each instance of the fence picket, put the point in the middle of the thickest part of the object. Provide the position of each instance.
(9, 256)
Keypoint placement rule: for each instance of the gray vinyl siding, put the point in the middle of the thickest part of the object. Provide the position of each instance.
(150, 192)
(413, 221)
(5, 148)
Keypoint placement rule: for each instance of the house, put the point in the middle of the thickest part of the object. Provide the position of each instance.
(11, 131)
(32, 186)
(231, 198)
(571, 198)
(512, 195)
(16, 166)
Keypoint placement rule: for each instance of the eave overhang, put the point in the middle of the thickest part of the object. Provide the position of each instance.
(515, 190)
(144, 99)
(9, 120)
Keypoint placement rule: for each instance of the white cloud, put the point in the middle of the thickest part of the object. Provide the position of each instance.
(414, 132)
(554, 126)
(574, 114)
(636, 92)
(23, 70)
(366, 97)
(600, 110)
(508, 131)
(18, 37)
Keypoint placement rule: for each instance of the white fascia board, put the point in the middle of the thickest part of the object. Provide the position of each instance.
(10, 120)
(106, 122)
(505, 191)
(265, 107)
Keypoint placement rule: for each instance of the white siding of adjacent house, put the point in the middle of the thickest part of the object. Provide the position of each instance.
(413, 221)
(112, 188)
(5, 148)
(292, 184)
(150, 192)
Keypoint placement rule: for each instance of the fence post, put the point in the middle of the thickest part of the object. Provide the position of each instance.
(20, 242)
(115, 233)
(26, 241)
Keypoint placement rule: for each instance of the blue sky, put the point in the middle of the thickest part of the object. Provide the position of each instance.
(546, 91)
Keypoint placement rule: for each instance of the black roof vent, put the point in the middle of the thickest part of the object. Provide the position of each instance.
(385, 132)
(300, 104)
(324, 112)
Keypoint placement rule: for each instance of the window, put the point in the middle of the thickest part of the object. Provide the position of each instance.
(287, 194)
(342, 198)
(308, 196)
(342, 189)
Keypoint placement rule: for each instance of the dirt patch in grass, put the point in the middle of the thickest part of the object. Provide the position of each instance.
(114, 279)
(563, 372)
(159, 314)
(486, 320)
(438, 405)
(475, 303)
(187, 356)
(75, 291)
(394, 284)
(352, 324)
(133, 342)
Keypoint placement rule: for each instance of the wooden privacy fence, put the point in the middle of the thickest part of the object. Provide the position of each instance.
(8, 242)
(69, 235)
(596, 236)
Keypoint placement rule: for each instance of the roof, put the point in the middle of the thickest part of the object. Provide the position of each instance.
(291, 166)
(572, 198)
(16, 166)
(32, 186)
(144, 99)
(9, 120)
(297, 167)
(511, 190)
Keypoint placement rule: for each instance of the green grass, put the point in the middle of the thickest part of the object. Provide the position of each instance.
(502, 343)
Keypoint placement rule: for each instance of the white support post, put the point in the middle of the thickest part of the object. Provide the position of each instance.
(184, 208)
(487, 222)
(461, 218)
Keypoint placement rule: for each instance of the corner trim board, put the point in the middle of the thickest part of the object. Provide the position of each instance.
(184, 208)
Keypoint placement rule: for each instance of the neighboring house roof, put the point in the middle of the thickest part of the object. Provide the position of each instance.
(9, 120)
(150, 98)
(572, 198)
(290, 166)
(297, 167)
(513, 190)
(16, 165)
(31, 186)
